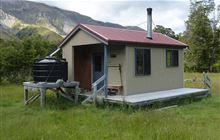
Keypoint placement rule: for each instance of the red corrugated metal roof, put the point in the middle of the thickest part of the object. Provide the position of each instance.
(110, 34)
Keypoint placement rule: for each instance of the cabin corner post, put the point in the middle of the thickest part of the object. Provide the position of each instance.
(106, 69)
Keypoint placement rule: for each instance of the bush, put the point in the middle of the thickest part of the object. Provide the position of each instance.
(17, 56)
(216, 66)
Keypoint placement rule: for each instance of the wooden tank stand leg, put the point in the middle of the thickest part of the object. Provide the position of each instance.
(76, 94)
(25, 95)
(57, 93)
(42, 97)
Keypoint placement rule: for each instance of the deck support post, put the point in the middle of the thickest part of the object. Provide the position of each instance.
(106, 69)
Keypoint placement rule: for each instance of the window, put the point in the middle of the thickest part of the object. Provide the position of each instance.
(172, 58)
(142, 62)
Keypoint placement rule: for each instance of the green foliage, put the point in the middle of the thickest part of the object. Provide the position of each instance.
(62, 120)
(216, 66)
(202, 37)
(16, 57)
(167, 31)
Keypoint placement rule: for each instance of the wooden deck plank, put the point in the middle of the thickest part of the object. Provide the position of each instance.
(156, 96)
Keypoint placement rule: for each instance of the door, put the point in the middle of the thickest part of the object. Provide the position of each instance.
(98, 68)
(83, 66)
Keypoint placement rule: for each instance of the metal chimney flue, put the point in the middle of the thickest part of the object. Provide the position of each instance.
(149, 23)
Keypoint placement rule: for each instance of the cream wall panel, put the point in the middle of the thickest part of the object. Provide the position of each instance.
(161, 77)
(114, 76)
(68, 54)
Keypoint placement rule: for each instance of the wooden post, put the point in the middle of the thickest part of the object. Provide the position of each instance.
(76, 94)
(94, 93)
(106, 69)
(57, 93)
(25, 95)
(204, 79)
(42, 97)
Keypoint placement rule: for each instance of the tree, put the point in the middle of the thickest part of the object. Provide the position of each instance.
(17, 56)
(217, 64)
(201, 35)
(11, 59)
(167, 31)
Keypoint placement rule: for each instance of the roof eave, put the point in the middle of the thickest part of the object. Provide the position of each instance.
(87, 30)
(68, 36)
(143, 43)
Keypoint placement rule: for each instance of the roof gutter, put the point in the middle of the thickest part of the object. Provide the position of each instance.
(57, 50)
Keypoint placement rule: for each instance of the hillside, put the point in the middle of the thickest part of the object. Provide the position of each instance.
(44, 32)
(18, 14)
(5, 35)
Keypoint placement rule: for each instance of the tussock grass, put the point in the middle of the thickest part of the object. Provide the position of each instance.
(64, 120)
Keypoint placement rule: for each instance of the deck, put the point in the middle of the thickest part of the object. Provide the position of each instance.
(148, 98)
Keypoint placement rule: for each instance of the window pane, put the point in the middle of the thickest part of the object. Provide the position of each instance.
(172, 58)
(139, 61)
(175, 58)
(169, 58)
(142, 61)
(147, 64)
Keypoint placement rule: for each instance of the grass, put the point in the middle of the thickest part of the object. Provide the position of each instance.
(215, 77)
(62, 120)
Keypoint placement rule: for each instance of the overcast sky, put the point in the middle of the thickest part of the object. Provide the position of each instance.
(169, 13)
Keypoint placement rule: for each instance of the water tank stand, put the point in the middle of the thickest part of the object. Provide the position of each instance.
(55, 86)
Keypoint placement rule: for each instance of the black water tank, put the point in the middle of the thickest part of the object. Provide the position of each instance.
(49, 70)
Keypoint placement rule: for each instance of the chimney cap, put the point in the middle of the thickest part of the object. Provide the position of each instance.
(149, 9)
